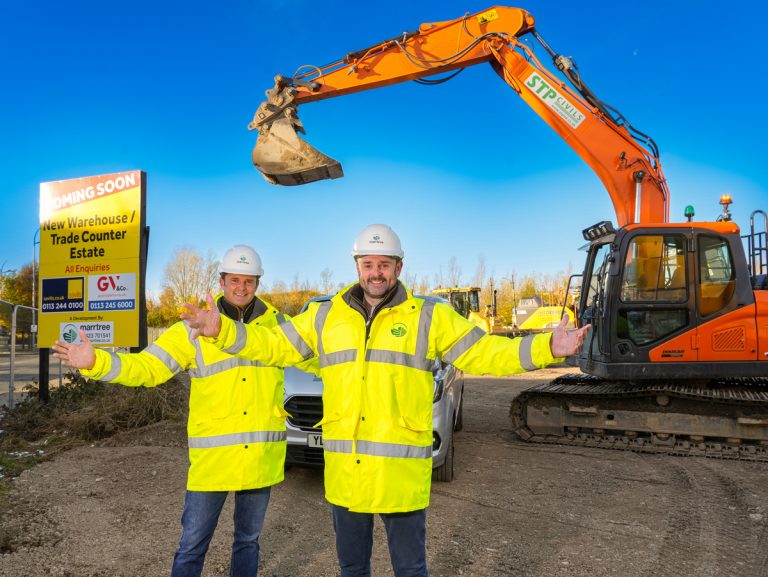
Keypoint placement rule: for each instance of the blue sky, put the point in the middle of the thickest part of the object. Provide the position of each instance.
(464, 169)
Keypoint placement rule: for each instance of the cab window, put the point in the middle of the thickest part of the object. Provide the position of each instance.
(717, 279)
(655, 273)
(655, 270)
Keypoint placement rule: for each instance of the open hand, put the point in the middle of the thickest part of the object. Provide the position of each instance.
(564, 342)
(78, 356)
(204, 322)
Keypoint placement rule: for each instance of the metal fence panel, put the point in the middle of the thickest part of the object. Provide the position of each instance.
(19, 355)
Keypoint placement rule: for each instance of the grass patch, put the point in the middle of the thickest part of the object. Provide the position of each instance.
(81, 411)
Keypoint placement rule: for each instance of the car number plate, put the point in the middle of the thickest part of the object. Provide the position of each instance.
(315, 440)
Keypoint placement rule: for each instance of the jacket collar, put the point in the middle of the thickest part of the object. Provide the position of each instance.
(254, 309)
(354, 297)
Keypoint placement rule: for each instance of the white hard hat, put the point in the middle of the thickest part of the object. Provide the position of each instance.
(377, 239)
(241, 259)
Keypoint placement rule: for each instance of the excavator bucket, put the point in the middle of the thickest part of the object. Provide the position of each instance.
(284, 158)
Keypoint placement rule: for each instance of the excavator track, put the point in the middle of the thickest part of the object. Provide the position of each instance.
(725, 418)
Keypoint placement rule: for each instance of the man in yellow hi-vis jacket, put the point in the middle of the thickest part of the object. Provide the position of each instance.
(376, 345)
(236, 425)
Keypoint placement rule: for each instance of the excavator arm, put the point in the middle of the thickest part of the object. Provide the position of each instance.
(625, 160)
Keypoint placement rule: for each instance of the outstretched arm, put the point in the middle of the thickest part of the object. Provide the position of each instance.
(78, 356)
(204, 322)
(564, 342)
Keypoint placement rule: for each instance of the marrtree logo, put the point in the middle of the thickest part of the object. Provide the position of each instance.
(69, 334)
(399, 330)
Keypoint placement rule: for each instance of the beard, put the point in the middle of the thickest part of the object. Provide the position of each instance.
(377, 291)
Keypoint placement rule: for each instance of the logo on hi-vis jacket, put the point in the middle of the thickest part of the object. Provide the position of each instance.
(399, 330)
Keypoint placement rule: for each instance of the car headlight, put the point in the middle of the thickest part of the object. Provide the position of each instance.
(439, 388)
(438, 373)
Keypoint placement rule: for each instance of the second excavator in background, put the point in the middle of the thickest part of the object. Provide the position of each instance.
(528, 315)
(677, 357)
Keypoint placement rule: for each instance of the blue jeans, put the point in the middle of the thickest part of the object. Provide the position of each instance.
(406, 537)
(199, 520)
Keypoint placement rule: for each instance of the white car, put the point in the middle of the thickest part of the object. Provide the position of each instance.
(304, 403)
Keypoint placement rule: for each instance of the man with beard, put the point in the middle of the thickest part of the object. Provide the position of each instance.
(376, 344)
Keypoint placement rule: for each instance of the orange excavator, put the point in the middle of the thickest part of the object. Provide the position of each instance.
(677, 357)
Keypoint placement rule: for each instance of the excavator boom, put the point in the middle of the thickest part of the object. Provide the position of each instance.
(625, 160)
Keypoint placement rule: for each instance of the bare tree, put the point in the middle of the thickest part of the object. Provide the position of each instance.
(418, 286)
(439, 278)
(480, 272)
(454, 272)
(421, 286)
(189, 275)
(326, 281)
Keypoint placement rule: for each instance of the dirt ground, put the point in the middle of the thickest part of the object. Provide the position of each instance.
(514, 509)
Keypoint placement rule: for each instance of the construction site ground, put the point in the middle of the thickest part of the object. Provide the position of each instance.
(514, 509)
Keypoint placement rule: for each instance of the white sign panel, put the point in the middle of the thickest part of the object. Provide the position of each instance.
(99, 333)
(112, 292)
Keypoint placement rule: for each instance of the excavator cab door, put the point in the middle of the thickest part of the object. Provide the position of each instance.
(654, 300)
(592, 303)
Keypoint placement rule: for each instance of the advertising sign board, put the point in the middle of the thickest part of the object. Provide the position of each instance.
(92, 259)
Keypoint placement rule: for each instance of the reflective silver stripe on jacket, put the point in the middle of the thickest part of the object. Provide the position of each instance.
(395, 358)
(164, 357)
(117, 366)
(280, 318)
(295, 339)
(322, 313)
(526, 357)
(337, 358)
(203, 370)
(376, 449)
(240, 339)
(464, 344)
(425, 324)
(236, 439)
(331, 446)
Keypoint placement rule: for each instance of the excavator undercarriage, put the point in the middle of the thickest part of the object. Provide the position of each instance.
(725, 418)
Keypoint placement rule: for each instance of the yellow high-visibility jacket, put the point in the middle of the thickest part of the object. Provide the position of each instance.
(236, 425)
(378, 385)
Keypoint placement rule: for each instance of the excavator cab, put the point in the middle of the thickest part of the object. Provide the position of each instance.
(666, 301)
